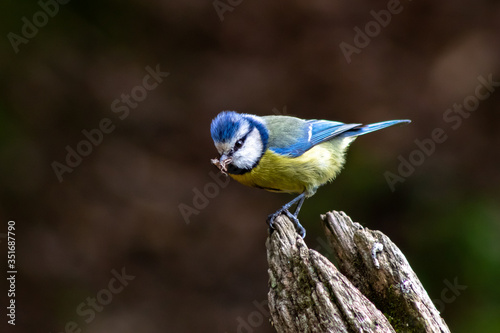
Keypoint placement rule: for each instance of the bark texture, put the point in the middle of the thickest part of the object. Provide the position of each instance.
(373, 290)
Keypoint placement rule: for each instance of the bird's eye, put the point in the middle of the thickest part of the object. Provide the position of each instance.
(238, 144)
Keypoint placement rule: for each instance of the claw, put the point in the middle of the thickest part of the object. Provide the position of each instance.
(298, 227)
(293, 217)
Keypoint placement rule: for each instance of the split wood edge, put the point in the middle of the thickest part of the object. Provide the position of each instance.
(374, 288)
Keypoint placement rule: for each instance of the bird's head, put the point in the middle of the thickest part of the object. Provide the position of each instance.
(240, 139)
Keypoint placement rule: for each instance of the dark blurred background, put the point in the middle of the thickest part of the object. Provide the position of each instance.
(145, 202)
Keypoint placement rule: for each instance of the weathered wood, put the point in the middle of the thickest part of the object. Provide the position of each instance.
(309, 294)
(376, 266)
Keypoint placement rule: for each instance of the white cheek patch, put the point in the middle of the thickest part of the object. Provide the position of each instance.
(251, 151)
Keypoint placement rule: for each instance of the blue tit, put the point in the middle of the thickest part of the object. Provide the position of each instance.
(284, 154)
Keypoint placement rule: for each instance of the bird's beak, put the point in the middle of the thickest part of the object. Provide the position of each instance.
(222, 163)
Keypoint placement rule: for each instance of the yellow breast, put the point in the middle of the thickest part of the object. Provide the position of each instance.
(306, 172)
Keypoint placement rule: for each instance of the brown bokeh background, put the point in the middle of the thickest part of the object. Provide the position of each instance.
(121, 207)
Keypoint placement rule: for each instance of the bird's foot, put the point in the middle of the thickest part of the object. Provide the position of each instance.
(298, 227)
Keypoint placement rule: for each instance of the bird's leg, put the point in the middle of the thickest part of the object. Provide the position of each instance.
(299, 200)
(299, 204)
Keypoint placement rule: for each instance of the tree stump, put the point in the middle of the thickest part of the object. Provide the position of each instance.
(374, 288)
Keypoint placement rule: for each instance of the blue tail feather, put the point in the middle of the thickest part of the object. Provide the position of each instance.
(373, 127)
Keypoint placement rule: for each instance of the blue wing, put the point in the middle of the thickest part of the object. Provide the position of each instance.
(310, 134)
(295, 136)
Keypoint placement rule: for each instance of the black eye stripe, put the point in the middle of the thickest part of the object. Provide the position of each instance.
(241, 141)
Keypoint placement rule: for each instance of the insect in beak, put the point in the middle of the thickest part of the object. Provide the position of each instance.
(222, 163)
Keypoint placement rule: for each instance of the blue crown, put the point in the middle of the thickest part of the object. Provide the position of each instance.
(224, 126)
(227, 123)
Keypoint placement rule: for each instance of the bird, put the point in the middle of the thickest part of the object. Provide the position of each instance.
(285, 154)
